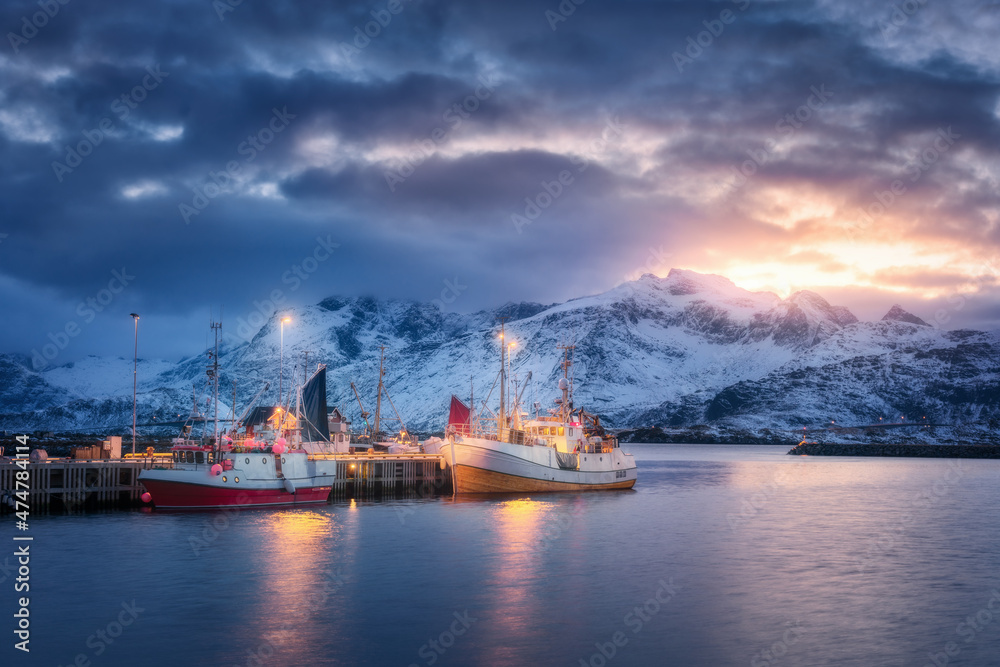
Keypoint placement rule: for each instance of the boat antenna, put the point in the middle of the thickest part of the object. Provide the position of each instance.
(213, 372)
(502, 414)
(378, 398)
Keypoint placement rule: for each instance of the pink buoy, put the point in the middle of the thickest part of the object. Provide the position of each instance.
(281, 441)
(249, 443)
(279, 447)
(216, 470)
(146, 497)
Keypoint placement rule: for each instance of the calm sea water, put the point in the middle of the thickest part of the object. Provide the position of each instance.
(721, 555)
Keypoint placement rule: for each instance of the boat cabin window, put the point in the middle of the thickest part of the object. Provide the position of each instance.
(199, 457)
(562, 430)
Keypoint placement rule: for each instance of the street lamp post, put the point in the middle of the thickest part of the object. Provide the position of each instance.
(135, 375)
(281, 358)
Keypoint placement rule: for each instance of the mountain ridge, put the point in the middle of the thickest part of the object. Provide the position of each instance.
(683, 350)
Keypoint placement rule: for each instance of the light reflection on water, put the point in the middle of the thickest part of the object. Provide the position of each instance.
(877, 561)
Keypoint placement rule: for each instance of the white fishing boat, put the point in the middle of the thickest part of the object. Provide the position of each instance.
(565, 450)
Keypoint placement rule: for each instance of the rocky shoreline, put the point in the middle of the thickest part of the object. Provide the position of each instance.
(932, 451)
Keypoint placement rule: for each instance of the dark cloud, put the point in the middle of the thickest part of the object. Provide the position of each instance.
(535, 98)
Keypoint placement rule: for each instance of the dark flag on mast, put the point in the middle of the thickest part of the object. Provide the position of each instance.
(459, 414)
(315, 427)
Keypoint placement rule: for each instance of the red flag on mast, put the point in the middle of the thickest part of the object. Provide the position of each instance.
(459, 413)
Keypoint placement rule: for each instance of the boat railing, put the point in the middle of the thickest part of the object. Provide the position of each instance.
(473, 431)
(512, 435)
(597, 448)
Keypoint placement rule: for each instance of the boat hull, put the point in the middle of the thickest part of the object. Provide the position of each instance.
(168, 494)
(248, 479)
(488, 466)
(477, 480)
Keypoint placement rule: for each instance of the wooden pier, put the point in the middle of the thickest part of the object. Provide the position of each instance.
(61, 485)
(376, 475)
(67, 485)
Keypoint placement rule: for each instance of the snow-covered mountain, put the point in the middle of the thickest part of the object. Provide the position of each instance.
(678, 351)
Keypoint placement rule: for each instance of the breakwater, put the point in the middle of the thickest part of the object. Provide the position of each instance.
(927, 451)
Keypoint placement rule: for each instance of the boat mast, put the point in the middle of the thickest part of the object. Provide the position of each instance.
(378, 399)
(214, 373)
(565, 384)
(305, 365)
(502, 414)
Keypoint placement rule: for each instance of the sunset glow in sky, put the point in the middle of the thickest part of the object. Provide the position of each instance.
(526, 152)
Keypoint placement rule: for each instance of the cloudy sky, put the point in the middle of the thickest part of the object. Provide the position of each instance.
(170, 157)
